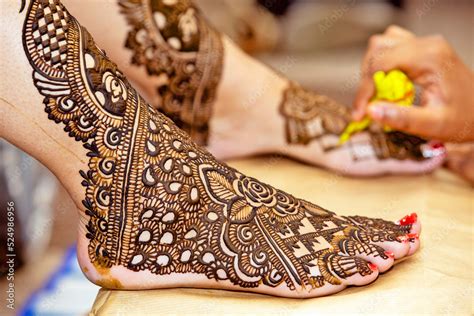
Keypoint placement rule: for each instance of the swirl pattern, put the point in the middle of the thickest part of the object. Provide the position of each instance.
(157, 202)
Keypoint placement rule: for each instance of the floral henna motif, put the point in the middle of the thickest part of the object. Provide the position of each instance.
(312, 117)
(158, 202)
(172, 40)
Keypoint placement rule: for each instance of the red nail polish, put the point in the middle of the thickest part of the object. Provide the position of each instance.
(413, 236)
(389, 254)
(437, 145)
(409, 219)
(373, 267)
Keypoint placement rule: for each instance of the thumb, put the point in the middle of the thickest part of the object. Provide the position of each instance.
(422, 121)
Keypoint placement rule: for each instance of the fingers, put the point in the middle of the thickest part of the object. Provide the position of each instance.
(426, 121)
(419, 58)
(415, 57)
(461, 160)
(397, 31)
(378, 45)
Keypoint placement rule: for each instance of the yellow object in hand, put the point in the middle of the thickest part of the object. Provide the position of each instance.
(393, 87)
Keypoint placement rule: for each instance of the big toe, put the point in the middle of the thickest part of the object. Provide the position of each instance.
(352, 270)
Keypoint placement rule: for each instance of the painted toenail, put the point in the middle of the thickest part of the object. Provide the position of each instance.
(433, 149)
(389, 254)
(409, 219)
(437, 145)
(413, 236)
(373, 267)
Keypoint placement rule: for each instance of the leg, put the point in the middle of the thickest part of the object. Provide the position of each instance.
(224, 98)
(156, 210)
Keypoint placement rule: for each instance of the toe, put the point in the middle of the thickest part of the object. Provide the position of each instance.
(398, 249)
(412, 227)
(383, 263)
(383, 225)
(372, 253)
(416, 228)
(350, 270)
(414, 243)
(411, 223)
(396, 243)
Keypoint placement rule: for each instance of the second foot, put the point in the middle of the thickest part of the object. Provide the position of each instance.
(307, 126)
(234, 103)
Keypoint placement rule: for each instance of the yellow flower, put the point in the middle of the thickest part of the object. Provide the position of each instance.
(393, 87)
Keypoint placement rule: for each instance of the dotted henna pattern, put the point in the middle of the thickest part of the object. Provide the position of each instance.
(173, 41)
(158, 202)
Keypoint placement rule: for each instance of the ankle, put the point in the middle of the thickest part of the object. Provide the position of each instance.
(246, 107)
(23, 121)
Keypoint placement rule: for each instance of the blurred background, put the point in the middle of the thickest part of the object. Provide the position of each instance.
(317, 43)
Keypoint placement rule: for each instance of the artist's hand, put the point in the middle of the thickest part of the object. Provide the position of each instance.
(446, 110)
(460, 160)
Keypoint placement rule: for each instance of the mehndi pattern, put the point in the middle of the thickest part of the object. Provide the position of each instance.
(158, 202)
(313, 117)
(174, 42)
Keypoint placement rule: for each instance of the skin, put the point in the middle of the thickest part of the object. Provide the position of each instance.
(460, 160)
(446, 84)
(431, 63)
(124, 232)
(249, 92)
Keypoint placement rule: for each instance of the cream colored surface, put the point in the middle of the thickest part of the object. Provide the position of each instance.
(437, 280)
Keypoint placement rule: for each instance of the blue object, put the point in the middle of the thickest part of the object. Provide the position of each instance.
(67, 291)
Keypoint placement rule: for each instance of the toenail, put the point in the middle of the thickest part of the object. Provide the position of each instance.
(409, 219)
(433, 149)
(373, 267)
(389, 254)
(436, 145)
(413, 236)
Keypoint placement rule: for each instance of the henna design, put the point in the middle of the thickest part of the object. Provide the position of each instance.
(171, 39)
(158, 202)
(313, 117)
(310, 116)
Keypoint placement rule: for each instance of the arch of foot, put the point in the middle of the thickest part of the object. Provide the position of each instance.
(158, 202)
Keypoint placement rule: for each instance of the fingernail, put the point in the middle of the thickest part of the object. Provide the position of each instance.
(389, 254)
(413, 236)
(409, 219)
(373, 267)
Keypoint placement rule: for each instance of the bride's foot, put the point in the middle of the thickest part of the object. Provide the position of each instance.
(240, 107)
(156, 210)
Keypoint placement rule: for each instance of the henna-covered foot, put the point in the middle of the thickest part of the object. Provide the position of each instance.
(236, 105)
(315, 122)
(156, 209)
